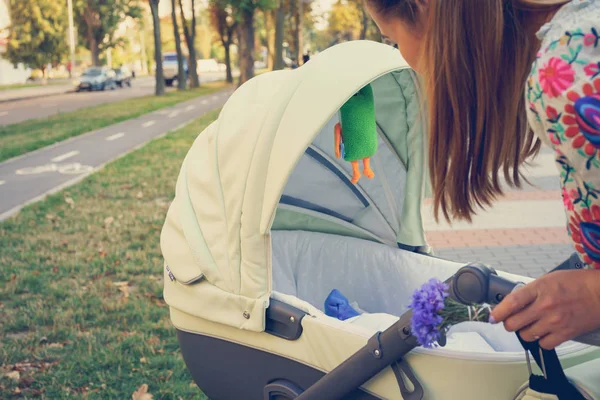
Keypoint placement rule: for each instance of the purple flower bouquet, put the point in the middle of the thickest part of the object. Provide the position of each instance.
(434, 313)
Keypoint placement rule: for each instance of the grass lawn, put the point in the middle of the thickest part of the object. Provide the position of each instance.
(28, 85)
(82, 313)
(17, 139)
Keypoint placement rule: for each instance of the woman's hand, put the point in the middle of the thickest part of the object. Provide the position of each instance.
(555, 308)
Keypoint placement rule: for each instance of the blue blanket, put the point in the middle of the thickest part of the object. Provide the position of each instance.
(338, 306)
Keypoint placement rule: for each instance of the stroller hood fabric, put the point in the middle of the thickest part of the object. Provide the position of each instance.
(216, 233)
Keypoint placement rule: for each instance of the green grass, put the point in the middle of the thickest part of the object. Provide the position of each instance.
(82, 313)
(28, 85)
(31, 135)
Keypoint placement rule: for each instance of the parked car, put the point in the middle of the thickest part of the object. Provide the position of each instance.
(96, 78)
(123, 76)
(260, 64)
(171, 67)
(208, 65)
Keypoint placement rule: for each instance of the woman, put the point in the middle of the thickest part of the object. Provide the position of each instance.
(501, 76)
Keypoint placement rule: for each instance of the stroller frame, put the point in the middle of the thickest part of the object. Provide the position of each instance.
(473, 283)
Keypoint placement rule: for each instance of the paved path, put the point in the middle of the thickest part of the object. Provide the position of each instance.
(35, 91)
(34, 175)
(63, 99)
(39, 107)
(525, 232)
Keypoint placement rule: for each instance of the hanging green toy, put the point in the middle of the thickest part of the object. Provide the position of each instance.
(356, 133)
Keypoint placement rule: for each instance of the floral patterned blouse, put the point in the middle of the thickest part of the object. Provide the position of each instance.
(563, 92)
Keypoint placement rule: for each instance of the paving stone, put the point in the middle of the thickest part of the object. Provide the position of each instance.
(524, 260)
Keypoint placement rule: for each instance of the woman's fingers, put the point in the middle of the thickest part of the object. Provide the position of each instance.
(528, 316)
(514, 302)
(535, 331)
(553, 340)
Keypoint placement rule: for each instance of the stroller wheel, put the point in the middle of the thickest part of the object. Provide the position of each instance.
(281, 389)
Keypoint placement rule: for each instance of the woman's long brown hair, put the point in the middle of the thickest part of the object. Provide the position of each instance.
(476, 60)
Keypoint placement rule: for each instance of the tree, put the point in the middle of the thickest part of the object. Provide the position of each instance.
(365, 19)
(224, 22)
(159, 76)
(345, 22)
(246, 40)
(37, 34)
(270, 37)
(99, 21)
(244, 11)
(190, 39)
(298, 14)
(279, 35)
(180, 70)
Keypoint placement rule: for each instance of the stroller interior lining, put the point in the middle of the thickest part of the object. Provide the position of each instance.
(320, 183)
(381, 279)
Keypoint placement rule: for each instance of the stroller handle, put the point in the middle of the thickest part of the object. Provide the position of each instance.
(472, 284)
(478, 284)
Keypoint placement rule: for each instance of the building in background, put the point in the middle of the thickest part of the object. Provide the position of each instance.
(8, 73)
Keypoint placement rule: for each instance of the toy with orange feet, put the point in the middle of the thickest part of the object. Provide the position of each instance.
(356, 133)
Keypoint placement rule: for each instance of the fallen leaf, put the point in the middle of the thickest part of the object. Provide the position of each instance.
(108, 221)
(70, 202)
(56, 345)
(139, 195)
(153, 341)
(143, 360)
(142, 393)
(124, 290)
(14, 375)
(50, 216)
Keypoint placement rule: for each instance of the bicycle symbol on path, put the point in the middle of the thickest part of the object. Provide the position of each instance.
(66, 169)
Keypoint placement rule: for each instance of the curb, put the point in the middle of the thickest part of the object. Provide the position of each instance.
(35, 96)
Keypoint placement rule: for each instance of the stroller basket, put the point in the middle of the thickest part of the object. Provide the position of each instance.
(266, 222)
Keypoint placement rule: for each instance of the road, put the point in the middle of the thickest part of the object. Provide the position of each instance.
(12, 112)
(34, 175)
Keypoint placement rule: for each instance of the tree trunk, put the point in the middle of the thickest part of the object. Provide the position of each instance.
(247, 45)
(91, 21)
(279, 33)
(181, 78)
(294, 28)
(299, 31)
(94, 49)
(365, 24)
(160, 79)
(270, 27)
(227, 46)
(190, 39)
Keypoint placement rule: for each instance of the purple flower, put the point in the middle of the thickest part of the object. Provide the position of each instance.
(427, 303)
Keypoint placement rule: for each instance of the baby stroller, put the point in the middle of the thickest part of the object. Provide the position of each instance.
(265, 223)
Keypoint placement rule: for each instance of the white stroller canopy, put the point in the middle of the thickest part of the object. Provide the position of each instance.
(233, 178)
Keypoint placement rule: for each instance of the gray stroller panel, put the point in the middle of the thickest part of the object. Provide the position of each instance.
(387, 207)
(378, 277)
